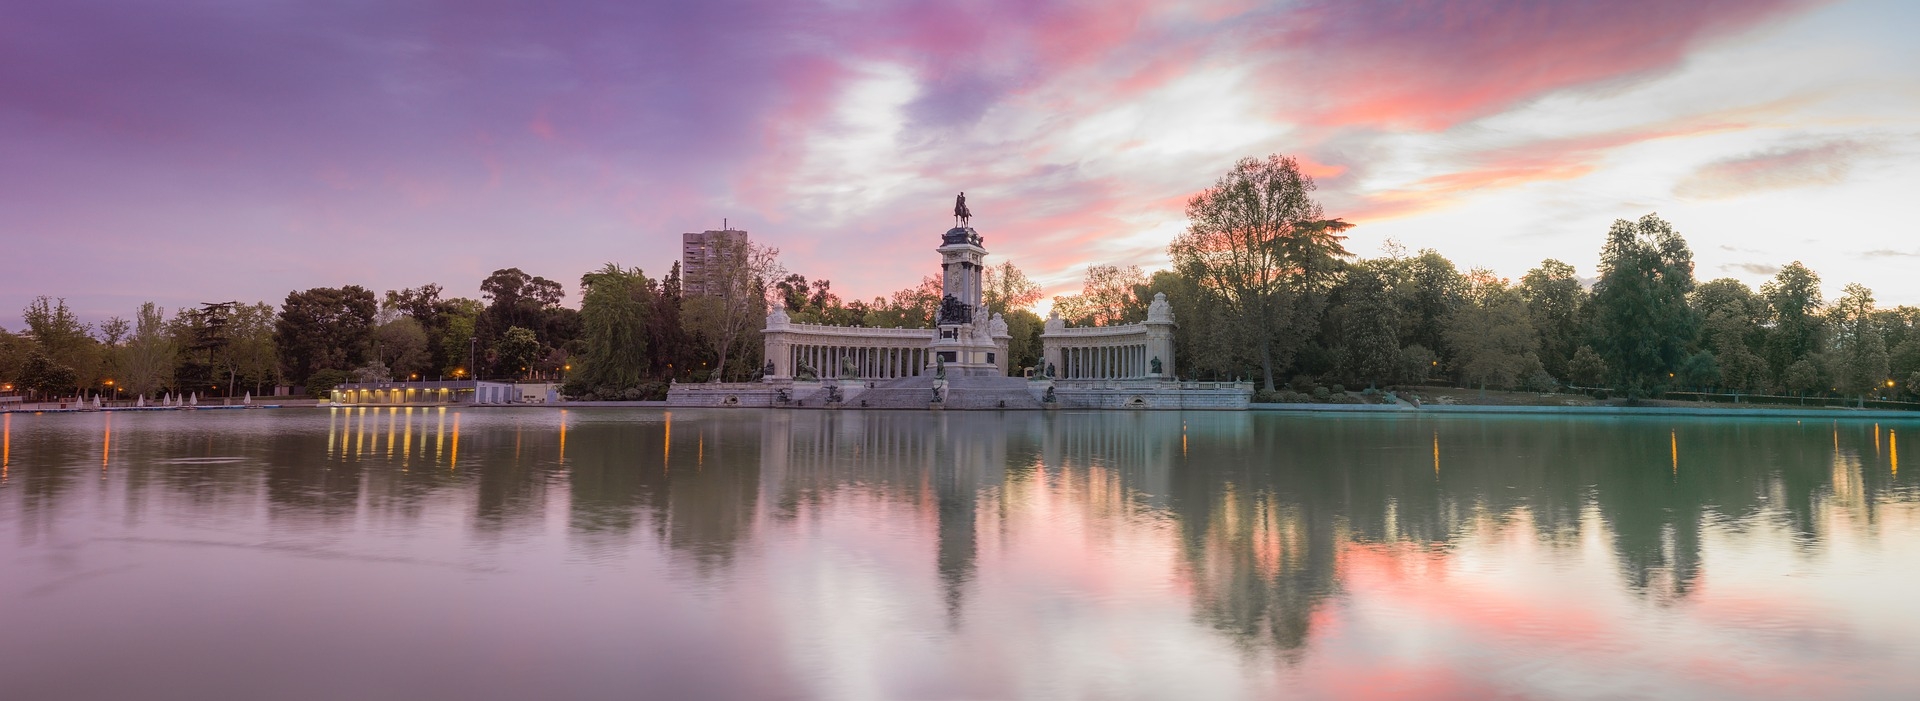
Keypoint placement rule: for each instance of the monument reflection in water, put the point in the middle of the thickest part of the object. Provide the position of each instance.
(807, 554)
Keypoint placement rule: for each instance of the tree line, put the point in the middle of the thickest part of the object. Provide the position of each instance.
(1262, 287)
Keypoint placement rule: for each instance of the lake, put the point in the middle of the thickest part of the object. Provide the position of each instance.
(376, 553)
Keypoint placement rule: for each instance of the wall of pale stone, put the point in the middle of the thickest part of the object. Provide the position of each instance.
(1223, 396)
(722, 394)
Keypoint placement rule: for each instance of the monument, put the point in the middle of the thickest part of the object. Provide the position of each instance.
(962, 362)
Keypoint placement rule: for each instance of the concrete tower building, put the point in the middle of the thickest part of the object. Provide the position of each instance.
(700, 253)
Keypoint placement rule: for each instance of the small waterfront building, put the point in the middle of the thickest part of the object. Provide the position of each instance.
(417, 393)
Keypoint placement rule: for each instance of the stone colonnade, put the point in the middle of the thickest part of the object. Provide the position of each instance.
(880, 354)
(1105, 362)
(1125, 352)
(874, 362)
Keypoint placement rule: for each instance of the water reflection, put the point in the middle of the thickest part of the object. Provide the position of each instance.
(1273, 552)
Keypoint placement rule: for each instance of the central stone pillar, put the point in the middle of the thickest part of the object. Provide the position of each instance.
(964, 342)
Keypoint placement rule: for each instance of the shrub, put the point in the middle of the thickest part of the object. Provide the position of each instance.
(320, 384)
(1320, 393)
(1339, 389)
(1302, 383)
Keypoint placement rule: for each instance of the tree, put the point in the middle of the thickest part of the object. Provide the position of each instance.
(516, 298)
(374, 371)
(324, 328)
(1643, 322)
(1105, 297)
(1805, 376)
(401, 346)
(1794, 308)
(1700, 371)
(46, 376)
(1008, 289)
(516, 351)
(322, 382)
(1257, 241)
(149, 357)
(740, 275)
(910, 308)
(1493, 343)
(616, 305)
(1370, 328)
(1587, 368)
(1554, 298)
(65, 340)
(14, 351)
(1859, 351)
(669, 339)
(250, 345)
(1905, 358)
(1429, 289)
(460, 320)
(1731, 325)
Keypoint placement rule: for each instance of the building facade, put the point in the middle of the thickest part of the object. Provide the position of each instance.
(701, 253)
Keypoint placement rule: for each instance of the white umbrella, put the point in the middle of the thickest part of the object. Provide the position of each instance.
(193, 399)
(142, 402)
(248, 400)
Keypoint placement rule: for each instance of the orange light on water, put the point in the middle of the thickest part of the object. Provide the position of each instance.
(453, 461)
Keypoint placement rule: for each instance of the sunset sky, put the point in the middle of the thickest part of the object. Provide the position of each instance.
(192, 151)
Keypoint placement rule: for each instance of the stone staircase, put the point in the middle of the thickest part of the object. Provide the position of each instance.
(990, 393)
(967, 393)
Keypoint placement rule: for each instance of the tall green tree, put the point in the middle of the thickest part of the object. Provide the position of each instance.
(402, 346)
(324, 328)
(1859, 351)
(1370, 324)
(251, 349)
(1429, 289)
(516, 351)
(66, 341)
(1258, 242)
(150, 355)
(44, 376)
(1797, 322)
(1644, 325)
(1554, 297)
(1732, 328)
(616, 305)
(1493, 341)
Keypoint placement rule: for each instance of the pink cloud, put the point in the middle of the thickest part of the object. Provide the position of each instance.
(1429, 64)
(1774, 169)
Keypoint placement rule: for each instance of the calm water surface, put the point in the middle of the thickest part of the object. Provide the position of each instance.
(383, 553)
